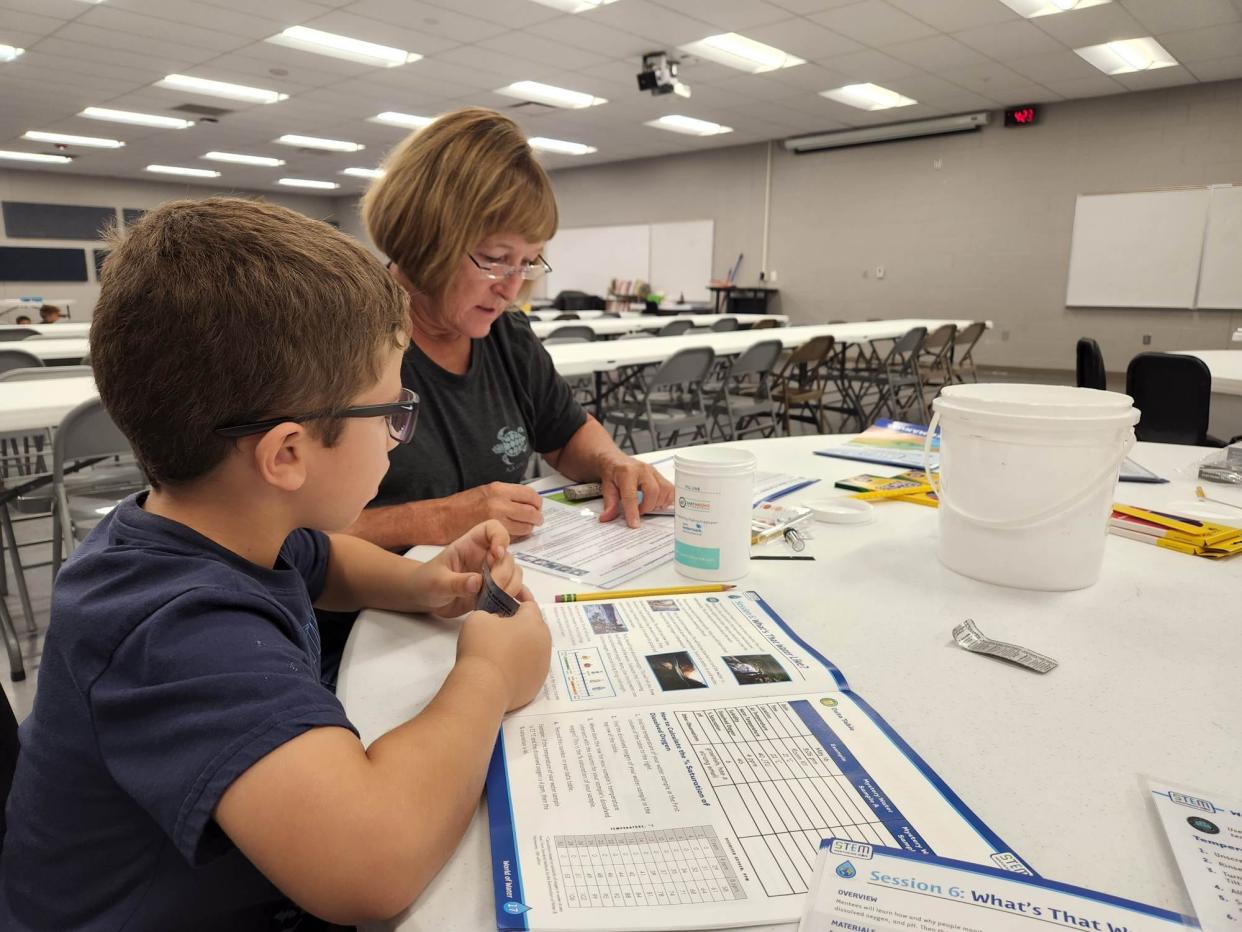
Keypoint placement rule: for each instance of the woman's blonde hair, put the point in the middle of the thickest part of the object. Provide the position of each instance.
(446, 188)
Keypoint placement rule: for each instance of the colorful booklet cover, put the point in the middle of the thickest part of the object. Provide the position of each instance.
(915, 480)
(1176, 532)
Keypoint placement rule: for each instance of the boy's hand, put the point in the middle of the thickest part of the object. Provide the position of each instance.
(519, 648)
(454, 577)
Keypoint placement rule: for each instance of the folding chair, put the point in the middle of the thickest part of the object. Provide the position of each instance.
(724, 325)
(571, 333)
(14, 358)
(13, 334)
(964, 350)
(765, 324)
(802, 383)
(1089, 365)
(744, 403)
(674, 328)
(1174, 395)
(936, 357)
(667, 403)
(568, 315)
(894, 379)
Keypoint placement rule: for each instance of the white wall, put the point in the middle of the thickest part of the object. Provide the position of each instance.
(984, 235)
(53, 188)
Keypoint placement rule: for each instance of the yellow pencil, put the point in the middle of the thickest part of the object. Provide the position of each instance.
(640, 593)
(892, 493)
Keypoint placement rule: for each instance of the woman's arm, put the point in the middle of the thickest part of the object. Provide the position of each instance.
(443, 520)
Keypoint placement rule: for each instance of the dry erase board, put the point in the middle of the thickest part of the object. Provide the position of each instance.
(1220, 277)
(674, 258)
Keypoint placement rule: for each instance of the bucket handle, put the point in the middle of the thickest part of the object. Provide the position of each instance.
(1040, 517)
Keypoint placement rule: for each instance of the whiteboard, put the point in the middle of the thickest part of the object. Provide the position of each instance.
(1220, 281)
(1137, 250)
(674, 258)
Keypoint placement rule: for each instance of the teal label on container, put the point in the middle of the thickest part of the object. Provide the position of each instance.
(701, 558)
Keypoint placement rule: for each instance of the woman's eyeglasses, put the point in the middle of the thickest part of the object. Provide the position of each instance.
(527, 271)
(401, 415)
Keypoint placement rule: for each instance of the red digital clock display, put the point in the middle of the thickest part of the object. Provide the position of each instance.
(1021, 116)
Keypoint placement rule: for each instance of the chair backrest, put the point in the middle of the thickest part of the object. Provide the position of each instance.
(85, 431)
(8, 756)
(684, 367)
(13, 358)
(674, 328)
(45, 372)
(574, 301)
(1089, 365)
(940, 338)
(579, 332)
(911, 341)
(765, 324)
(967, 337)
(8, 334)
(568, 315)
(759, 359)
(725, 324)
(1174, 394)
(811, 353)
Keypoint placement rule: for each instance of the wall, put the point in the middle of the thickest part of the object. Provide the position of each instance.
(53, 188)
(984, 235)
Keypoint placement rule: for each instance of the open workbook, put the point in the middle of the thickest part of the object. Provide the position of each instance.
(682, 764)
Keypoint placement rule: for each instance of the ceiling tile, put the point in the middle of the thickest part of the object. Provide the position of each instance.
(1217, 69)
(804, 38)
(935, 53)
(869, 65)
(952, 15)
(77, 31)
(1095, 86)
(19, 21)
(1091, 26)
(811, 77)
(729, 15)
(535, 48)
(1005, 41)
(434, 20)
(253, 23)
(1161, 77)
(1199, 44)
(106, 16)
(504, 12)
(994, 80)
(413, 37)
(662, 26)
(804, 7)
(875, 23)
(60, 9)
(156, 65)
(579, 32)
(1054, 66)
(1163, 16)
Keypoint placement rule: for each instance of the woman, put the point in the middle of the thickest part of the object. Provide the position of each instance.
(463, 213)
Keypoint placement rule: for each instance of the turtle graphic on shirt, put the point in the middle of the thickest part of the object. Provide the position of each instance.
(511, 445)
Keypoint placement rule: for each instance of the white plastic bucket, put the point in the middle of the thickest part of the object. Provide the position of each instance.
(715, 488)
(1027, 478)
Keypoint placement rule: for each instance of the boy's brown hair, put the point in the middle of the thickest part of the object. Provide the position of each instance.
(227, 311)
(467, 176)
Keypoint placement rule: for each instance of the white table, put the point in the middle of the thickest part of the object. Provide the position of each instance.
(59, 330)
(1226, 367)
(1148, 681)
(68, 350)
(37, 404)
(614, 326)
(573, 359)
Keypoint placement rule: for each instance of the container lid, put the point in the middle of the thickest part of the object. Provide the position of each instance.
(1015, 398)
(841, 510)
(717, 461)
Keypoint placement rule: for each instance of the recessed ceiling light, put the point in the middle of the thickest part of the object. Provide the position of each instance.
(407, 120)
(688, 125)
(256, 95)
(737, 51)
(137, 119)
(307, 183)
(315, 142)
(1128, 55)
(34, 157)
(9, 52)
(575, 6)
(560, 146)
(1032, 8)
(241, 159)
(65, 139)
(179, 170)
(363, 172)
(328, 43)
(550, 95)
(868, 97)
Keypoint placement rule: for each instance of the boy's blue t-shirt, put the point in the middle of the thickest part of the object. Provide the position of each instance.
(171, 666)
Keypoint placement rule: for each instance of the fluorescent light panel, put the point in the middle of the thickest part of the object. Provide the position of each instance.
(315, 142)
(307, 183)
(254, 95)
(575, 6)
(1032, 8)
(363, 172)
(65, 139)
(868, 97)
(329, 43)
(241, 159)
(689, 125)
(1127, 56)
(137, 119)
(34, 157)
(550, 95)
(737, 51)
(180, 170)
(406, 120)
(560, 146)
(9, 52)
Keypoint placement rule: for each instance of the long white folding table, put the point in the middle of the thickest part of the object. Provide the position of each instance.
(68, 350)
(41, 404)
(1147, 682)
(61, 329)
(615, 326)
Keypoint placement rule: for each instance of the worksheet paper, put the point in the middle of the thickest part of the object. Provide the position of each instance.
(861, 886)
(573, 543)
(681, 765)
(1205, 833)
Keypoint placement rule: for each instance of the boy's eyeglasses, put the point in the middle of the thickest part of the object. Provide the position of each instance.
(527, 271)
(401, 415)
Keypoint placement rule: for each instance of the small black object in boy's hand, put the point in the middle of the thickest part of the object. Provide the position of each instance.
(494, 599)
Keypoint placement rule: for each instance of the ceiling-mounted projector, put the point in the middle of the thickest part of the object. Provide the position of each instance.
(869, 134)
(659, 76)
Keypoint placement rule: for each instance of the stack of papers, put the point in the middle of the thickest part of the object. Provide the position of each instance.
(1176, 532)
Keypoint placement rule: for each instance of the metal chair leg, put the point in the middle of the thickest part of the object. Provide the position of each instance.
(19, 576)
(17, 669)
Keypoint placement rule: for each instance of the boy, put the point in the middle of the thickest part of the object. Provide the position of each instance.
(183, 768)
(49, 314)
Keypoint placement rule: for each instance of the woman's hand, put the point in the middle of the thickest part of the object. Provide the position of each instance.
(451, 582)
(517, 507)
(621, 478)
